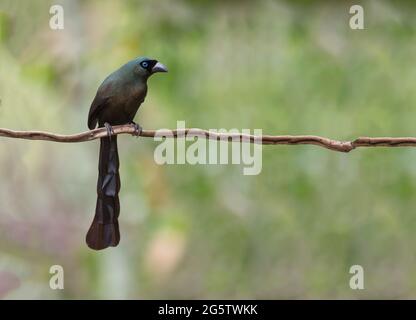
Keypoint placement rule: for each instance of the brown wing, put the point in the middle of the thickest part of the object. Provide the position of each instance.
(101, 99)
(97, 105)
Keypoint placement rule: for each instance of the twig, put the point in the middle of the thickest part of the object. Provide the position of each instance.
(335, 145)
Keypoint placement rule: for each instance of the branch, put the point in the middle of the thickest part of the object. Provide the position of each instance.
(335, 145)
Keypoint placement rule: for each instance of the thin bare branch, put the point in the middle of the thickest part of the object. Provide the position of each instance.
(335, 145)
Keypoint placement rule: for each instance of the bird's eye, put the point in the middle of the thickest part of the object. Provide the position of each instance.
(145, 64)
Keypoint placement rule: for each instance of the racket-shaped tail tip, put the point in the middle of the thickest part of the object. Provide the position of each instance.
(101, 236)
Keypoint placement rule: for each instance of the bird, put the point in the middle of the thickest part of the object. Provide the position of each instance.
(116, 102)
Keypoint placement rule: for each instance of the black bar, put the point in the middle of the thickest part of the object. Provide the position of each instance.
(207, 309)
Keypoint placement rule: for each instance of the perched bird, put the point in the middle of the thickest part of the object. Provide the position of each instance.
(117, 100)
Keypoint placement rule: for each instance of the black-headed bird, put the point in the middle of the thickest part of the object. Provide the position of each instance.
(117, 100)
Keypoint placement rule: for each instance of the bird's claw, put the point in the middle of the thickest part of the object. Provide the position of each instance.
(137, 129)
(110, 130)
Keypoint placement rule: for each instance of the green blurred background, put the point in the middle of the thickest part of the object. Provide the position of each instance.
(287, 67)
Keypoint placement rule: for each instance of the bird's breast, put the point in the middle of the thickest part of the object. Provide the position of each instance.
(134, 99)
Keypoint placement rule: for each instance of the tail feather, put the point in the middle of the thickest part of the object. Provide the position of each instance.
(104, 230)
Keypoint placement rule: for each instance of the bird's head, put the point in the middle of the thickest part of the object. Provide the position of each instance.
(144, 67)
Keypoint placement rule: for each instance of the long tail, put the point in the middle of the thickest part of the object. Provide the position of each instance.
(104, 231)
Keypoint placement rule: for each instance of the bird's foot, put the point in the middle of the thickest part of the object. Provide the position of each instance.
(137, 129)
(110, 130)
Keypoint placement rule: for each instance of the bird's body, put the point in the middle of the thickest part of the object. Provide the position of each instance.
(117, 100)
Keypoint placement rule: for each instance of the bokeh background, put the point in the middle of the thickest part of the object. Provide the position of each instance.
(287, 67)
